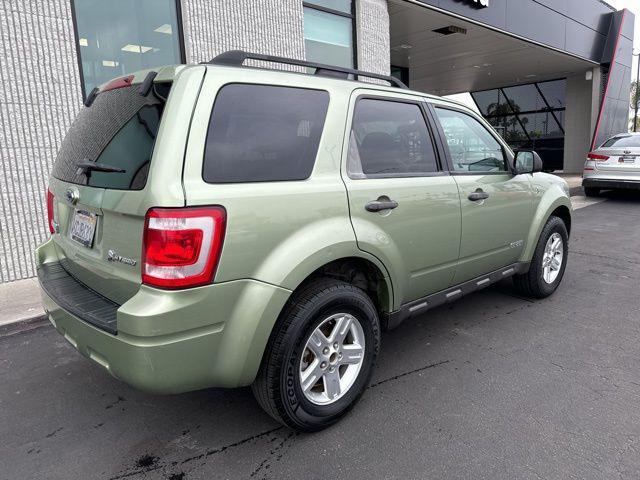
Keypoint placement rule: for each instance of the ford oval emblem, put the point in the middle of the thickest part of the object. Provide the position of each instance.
(72, 195)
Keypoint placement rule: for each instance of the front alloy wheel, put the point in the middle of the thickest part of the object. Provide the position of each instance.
(548, 263)
(552, 258)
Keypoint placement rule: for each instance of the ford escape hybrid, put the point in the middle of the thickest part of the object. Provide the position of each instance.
(222, 225)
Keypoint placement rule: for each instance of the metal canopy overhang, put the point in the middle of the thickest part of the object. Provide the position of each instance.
(481, 59)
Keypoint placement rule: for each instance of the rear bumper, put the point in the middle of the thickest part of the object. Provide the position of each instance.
(608, 183)
(178, 341)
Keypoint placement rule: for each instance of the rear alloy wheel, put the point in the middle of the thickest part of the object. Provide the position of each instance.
(319, 358)
(548, 263)
(332, 359)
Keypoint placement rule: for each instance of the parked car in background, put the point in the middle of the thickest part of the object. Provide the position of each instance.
(615, 165)
(219, 225)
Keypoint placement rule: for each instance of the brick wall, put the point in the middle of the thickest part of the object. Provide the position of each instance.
(39, 97)
(272, 27)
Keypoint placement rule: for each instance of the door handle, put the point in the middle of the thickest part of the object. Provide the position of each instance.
(381, 205)
(478, 195)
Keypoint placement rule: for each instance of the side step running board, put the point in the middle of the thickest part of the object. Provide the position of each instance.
(452, 294)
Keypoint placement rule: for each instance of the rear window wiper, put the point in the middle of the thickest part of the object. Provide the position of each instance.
(87, 166)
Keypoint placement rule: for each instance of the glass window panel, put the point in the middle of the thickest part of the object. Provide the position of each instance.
(262, 133)
(509, 128)
(492, 102)
(554, 92)
(525, 98)
(389, 139)
(340, 5)
(541, 125)
(560, 116)
(119, 129)
(120, 36)
(471, 147)
(328, 38)
(630, 141)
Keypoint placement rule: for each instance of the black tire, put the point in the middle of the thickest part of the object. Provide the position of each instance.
(532, 283)
(591, 191)
(277, 387)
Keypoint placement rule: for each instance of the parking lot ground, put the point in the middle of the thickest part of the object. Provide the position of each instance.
(491, 387)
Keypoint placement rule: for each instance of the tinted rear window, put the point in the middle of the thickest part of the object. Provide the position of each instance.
(626, 141)
(261, 133)
(119, 130)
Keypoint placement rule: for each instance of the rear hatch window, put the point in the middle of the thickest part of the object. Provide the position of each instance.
(119, 131)
(100, 234)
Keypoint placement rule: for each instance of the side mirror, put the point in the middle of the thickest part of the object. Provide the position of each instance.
(527, 161)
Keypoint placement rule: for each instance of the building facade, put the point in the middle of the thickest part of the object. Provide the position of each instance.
(552, 74)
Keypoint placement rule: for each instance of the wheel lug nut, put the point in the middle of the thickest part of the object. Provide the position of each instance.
(326, 350)
(323, 365)
(335, 345)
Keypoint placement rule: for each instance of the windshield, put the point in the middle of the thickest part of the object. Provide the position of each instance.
(625, 141)
(119, 130)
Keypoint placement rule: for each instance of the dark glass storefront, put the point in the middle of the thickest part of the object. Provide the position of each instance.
(529, 116)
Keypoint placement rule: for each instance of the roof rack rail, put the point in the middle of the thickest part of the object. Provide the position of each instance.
(236, 58)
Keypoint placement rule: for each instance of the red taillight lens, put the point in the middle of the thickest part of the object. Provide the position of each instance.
(597, 157)
(50, 220)
(181, 246)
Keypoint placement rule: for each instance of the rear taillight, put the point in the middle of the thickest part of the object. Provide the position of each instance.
(181, 246)
(50, 219)
(597, 157)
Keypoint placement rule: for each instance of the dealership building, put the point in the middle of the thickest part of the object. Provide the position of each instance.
(553, 75)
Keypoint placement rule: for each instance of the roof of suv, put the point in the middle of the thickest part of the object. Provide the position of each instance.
(237, 58)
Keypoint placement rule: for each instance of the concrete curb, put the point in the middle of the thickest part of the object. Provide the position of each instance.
(19, 326)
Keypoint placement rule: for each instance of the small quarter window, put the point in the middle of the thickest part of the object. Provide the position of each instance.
(471, 147)
(389, 138)
(261, 133)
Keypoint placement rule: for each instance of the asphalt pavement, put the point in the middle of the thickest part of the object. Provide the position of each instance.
(491, 387)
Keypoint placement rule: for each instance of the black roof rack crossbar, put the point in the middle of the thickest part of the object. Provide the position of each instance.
(236, 58)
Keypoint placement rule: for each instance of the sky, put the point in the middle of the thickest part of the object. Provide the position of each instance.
(632, 5)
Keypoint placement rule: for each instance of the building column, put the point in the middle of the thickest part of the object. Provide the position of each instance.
(273, 27)
(373, 38)
(583, 102)
(39, 98)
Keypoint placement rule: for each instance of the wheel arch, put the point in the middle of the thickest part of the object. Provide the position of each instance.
(364, 273)
(550, 205)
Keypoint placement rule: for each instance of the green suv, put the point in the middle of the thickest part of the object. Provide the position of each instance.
(222, 225)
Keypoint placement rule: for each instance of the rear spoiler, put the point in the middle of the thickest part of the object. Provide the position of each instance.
(144, 89)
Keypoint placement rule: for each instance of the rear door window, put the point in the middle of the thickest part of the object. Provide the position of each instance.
(263, 133)
(389, 139)
(119, 129)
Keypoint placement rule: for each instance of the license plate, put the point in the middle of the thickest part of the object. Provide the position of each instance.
(83, 227)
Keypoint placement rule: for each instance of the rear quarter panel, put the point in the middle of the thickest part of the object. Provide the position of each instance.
(277, 232)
